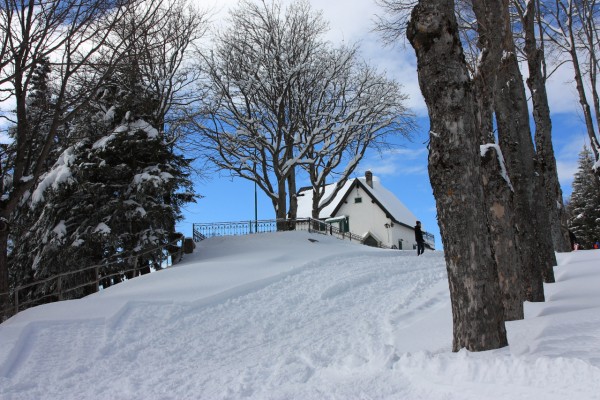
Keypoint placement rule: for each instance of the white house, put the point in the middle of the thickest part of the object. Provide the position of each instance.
(364, 207)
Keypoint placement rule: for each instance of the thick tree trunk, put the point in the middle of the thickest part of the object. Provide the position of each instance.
(500, 204)
(491, 29)
(315, 204)
(512, 115)
(280, 205)
(546, 163)
(293, 200)
(454, 170)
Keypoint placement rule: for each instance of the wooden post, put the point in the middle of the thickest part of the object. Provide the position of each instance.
(16, 300)
(135, 262)
(59, 287)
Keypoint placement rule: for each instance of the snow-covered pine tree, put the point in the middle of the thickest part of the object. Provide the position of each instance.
(118, 188)
(40, 110)
(584, 204)
(113, 196)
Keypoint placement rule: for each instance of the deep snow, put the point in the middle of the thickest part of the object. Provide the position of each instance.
(276, 316)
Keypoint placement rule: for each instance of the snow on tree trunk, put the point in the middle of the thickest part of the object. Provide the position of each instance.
(503, 235)
(454, 170)
(514, 136)
(491, 30)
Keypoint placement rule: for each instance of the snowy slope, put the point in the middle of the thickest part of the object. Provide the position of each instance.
(276, 316)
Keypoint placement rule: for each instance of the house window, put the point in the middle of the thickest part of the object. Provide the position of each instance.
(357, 200)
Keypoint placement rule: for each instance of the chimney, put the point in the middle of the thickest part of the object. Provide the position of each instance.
(369, 178)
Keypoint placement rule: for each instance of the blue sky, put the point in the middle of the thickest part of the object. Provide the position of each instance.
(403, 170)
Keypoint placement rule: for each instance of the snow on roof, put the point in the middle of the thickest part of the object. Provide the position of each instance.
(305, 201)
(387, 199)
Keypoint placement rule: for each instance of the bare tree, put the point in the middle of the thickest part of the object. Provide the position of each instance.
(530, 47)
(281, 98)
(251, 123)
(346, 109)
(479, 32)
(571, 26)
(512, 116)
(454, 170)
(392, 24)
(529, 27)
(160, 48)
(69, 34)
(490, 28)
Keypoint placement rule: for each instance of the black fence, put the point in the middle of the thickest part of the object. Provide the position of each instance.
(212, 229)
(202, 231)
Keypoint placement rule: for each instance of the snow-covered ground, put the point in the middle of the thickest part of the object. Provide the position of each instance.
(277, 316)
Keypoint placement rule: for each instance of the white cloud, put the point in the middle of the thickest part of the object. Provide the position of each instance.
(566, 171)
(562, 93)
(397, 162)
(409, 153)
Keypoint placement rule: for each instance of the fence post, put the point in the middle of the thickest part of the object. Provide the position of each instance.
(97, 273)
(135, 262)
(16, 300)
(59, 287)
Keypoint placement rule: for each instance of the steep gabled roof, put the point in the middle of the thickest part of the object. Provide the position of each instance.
(385, 199)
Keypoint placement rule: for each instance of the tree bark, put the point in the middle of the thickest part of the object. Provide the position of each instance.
(585, 106)
(498, 191)
(280, 205)
(514, 135)
(505, 245)
(454, 170)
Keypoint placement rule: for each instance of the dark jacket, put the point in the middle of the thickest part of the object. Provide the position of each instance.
(418, 234)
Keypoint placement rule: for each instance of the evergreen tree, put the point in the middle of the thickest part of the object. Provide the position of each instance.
(40, 110)
(584, 205)
(114, 195)
(135, 58)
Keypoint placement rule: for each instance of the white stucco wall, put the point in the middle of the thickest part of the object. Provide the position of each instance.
(368, 217)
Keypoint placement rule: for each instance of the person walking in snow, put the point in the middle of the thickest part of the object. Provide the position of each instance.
(419, 239)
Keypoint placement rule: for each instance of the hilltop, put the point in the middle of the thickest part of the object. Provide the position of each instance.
(299, 315)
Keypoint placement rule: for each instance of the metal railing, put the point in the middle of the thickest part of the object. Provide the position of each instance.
(202, 231)
(91, 279)
(205, 230)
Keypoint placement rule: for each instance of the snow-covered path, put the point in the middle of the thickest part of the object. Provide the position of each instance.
(330, 321)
